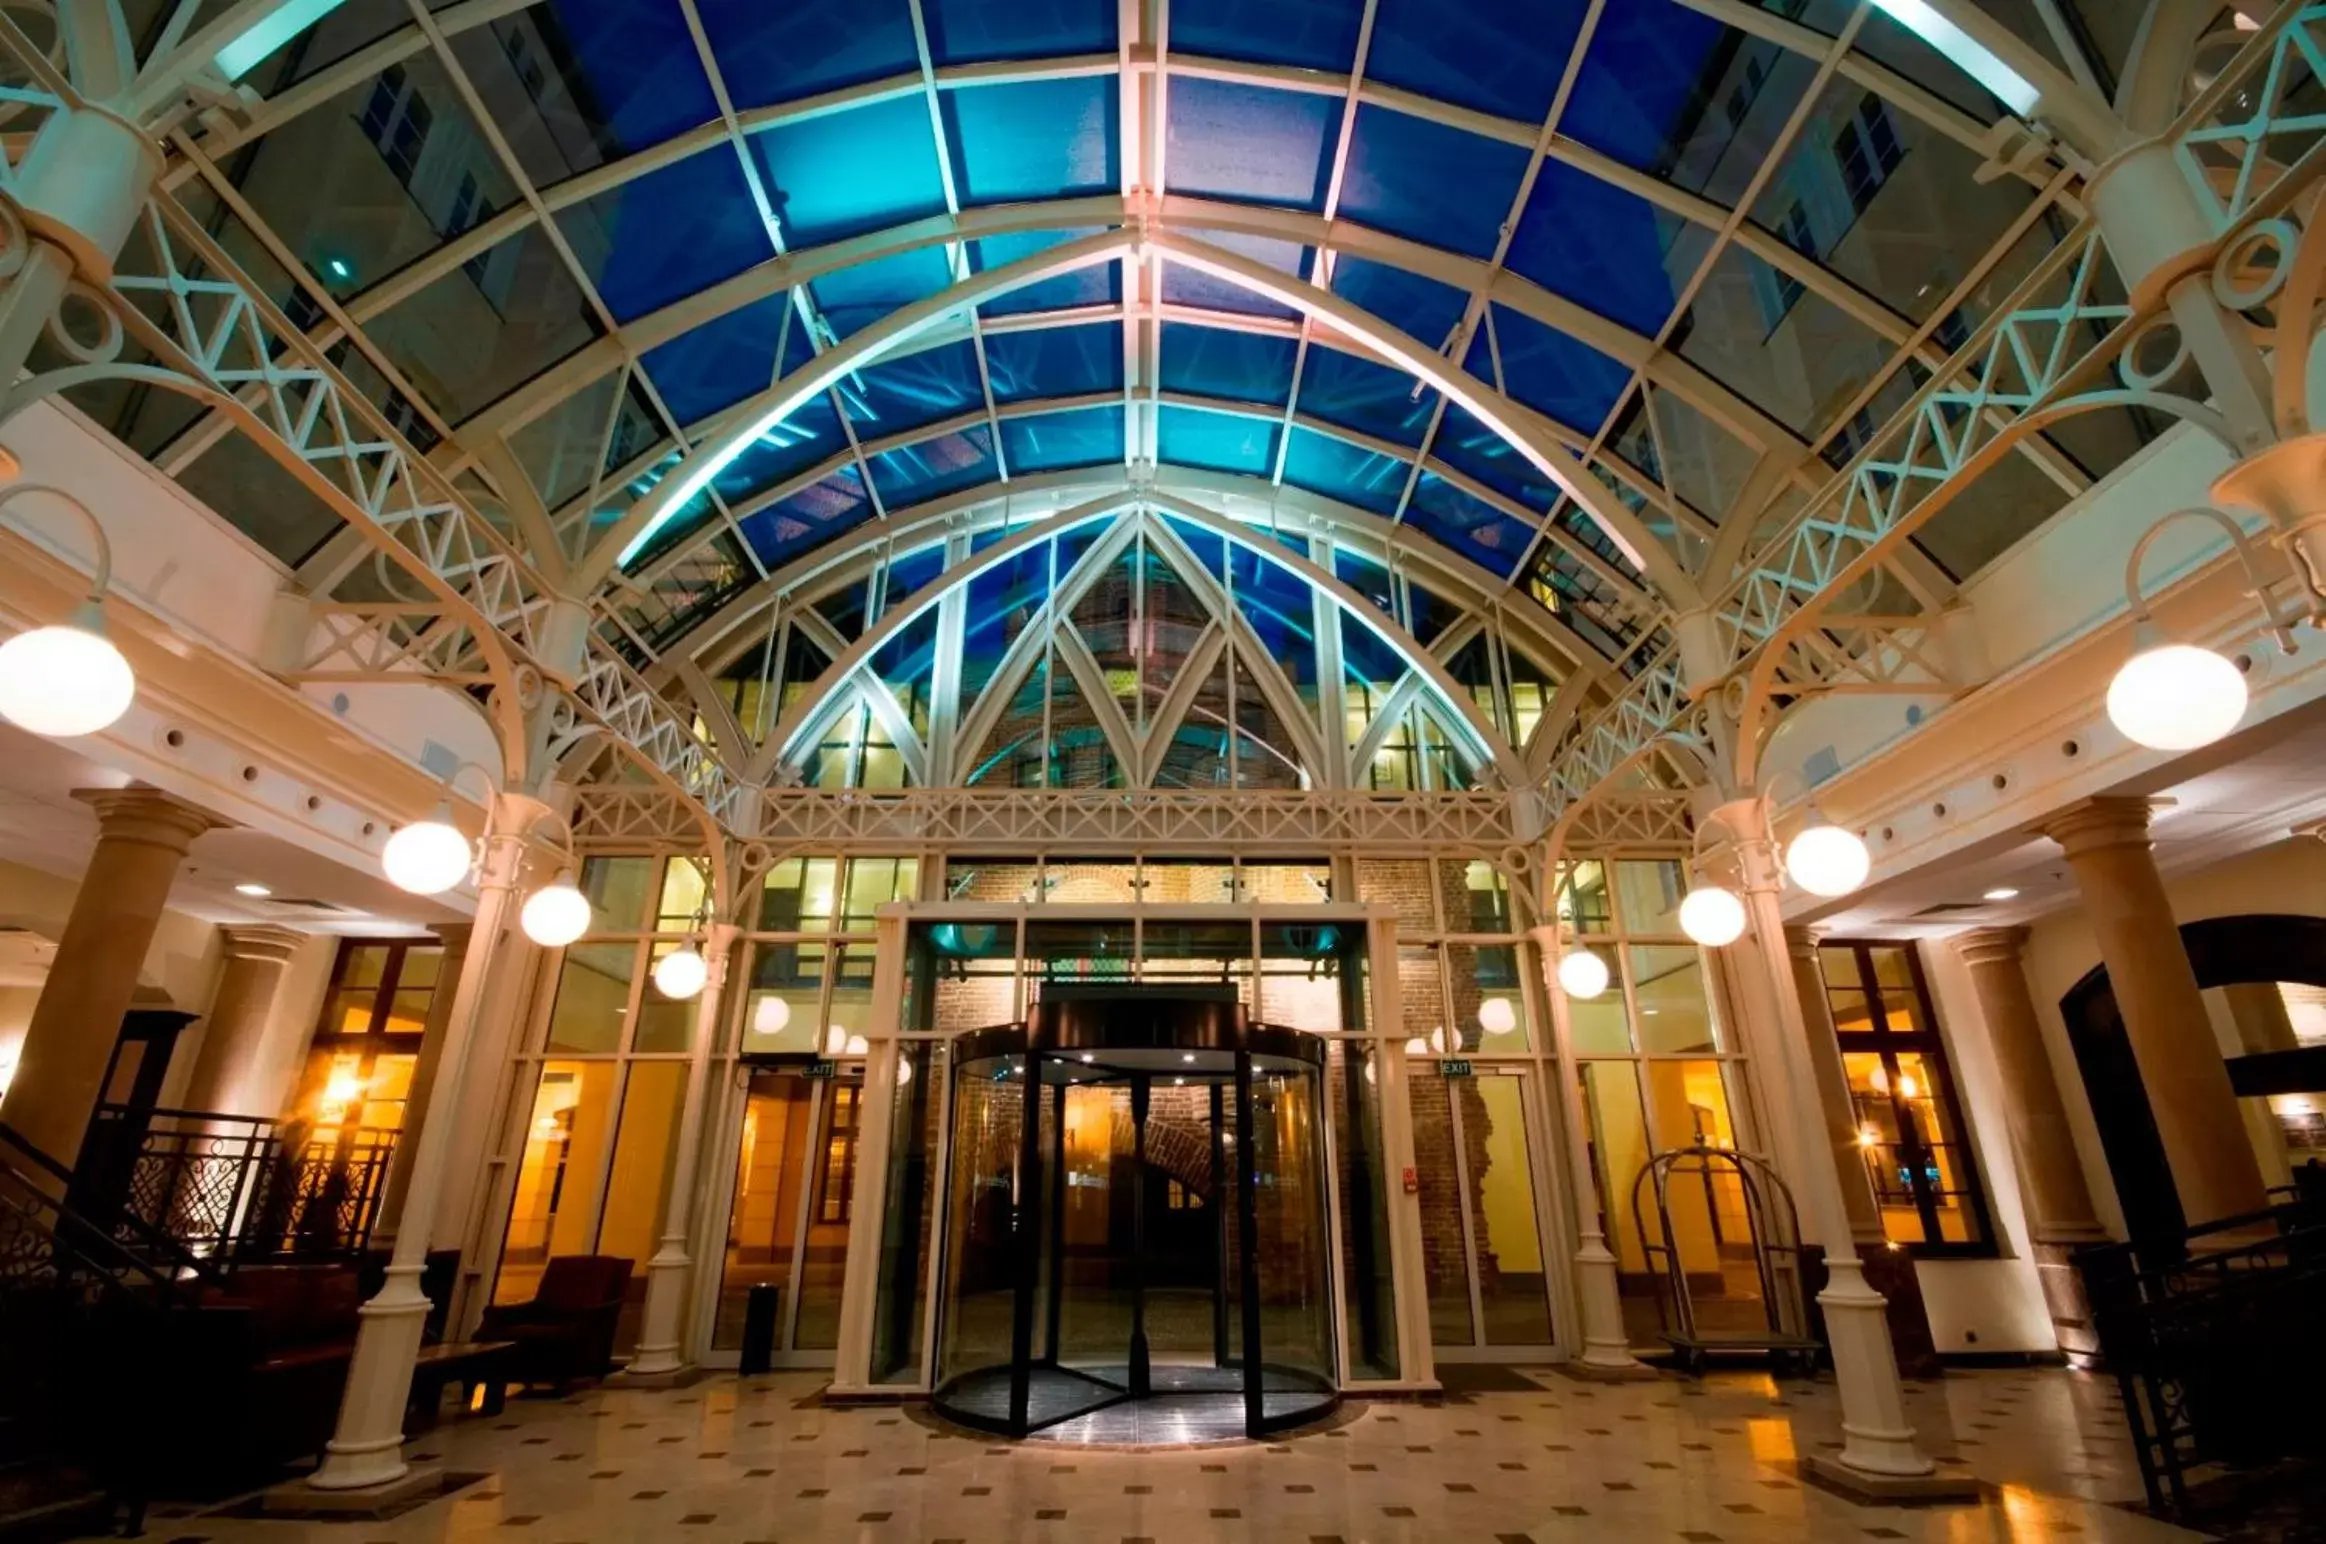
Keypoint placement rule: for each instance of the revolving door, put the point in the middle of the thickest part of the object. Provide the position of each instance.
(1137, 1241)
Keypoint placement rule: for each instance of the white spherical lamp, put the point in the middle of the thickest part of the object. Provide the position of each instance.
(835, 1040)
(2175, 697)
(555, 915)
(426, 857)
(681, 973)
(1582, 973)
(769, 1016)
(1826, 860)
(1712, 916)
(66, 680)
(1496, 1016)
(857, 1045)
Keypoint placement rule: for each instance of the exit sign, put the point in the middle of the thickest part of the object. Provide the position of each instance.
(1454, 1069)
(820, 1069)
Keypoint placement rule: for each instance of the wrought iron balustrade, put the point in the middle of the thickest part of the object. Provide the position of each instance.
(234, 1188)
(2217, 1339)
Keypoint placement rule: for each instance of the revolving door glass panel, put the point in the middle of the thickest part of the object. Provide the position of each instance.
(1138, 1222)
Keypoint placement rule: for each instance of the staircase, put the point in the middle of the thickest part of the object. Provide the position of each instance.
(87, 1387)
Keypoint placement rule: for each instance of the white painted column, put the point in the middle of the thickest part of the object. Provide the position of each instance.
(1606, 1344)
(74, 201)
(660, 1353)
(368, 1448)
(1878, 1442)
(875, 1135)
(1416, 1359)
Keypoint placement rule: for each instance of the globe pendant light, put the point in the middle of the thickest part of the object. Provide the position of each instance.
(1826, 860)
(1712, 916)
(1496, 1016)
(428, 856)
(65, 680)
(556, 914)
(682, 973)
(1583, 974)
(2176, 697)
(770, 1015)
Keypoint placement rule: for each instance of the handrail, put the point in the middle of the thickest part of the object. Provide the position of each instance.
(180, 1262)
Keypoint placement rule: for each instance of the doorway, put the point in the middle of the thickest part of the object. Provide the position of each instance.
(787, 1230)
(1137, 1245)
(1482, 1242)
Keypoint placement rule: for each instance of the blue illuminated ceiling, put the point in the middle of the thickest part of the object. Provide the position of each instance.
(728, 207)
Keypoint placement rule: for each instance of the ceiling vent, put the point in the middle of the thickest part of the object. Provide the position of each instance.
(1945, 907)
(304, 903)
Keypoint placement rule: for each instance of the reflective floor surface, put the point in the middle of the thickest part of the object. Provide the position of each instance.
(757, 1460)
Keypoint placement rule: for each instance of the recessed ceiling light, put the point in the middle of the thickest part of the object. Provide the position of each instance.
(2001, 893)
(255, 890)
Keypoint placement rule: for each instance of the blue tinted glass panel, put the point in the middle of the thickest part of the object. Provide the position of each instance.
(1339, 470)
(1652, 83)
(1362, 574)
(1470, 526)
(623, 73)
(1050, 442)
(1549, 371)
(933, 468)
(677, 530)
(1209, 547)
(1424, 309)
(1493, 55)
(1366, 655)
(910, 572)
(841, 174)
(1360, 394)
(1315, 34)
(1055, 361)
(965, 30)
(1184, 286)
(1281, 609)
(1034, 139)
(1219, 442)
(720, 363)
(1214, 362)
(779, 53)
(809, 436)
(852, 299)
(1596, 245)
(1467, 445)
(1097, 285)
(669, 233)
(1430, 183)
(1254, 144)
(810, 516)
(913, 389)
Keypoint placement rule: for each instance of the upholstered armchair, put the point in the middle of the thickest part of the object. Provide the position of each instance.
(567, 1331)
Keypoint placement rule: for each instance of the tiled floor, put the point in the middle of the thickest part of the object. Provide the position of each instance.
(727, 1461)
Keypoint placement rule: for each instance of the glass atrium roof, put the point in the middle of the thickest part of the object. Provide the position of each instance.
(696, 298)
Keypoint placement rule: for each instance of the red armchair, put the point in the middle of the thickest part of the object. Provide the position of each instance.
(567, 1331)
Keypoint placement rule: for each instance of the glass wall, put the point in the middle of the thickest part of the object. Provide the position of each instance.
(1656, 1069)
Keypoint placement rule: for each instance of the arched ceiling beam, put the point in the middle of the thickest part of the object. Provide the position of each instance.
(1487, 742)
(843, 670)
(1625, 586)
(1660, 566)
(756, 415)
(846, 559)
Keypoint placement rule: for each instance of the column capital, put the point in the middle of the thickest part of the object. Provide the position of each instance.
(1802, 942)
(1990, 945)
(144, 814)
(263, 942)
(454, 936)
(2089, 825)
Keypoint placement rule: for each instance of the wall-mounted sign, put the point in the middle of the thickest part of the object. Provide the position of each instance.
(820, 1069)
(1456, 1068)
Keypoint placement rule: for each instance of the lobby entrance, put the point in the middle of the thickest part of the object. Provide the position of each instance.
(1137, 1222)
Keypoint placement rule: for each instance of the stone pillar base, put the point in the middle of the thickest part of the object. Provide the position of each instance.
(666, 1378)
(297, 1498)
(1888, 1489)
(1597, 1372)
(2071, 1311)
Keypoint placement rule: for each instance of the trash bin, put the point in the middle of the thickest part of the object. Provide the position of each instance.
(762, 1311)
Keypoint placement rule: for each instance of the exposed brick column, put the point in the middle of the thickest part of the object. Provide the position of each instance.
(2051, 1174)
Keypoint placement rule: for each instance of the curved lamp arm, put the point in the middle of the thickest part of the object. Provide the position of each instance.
(2281, 627)
(100, 580)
